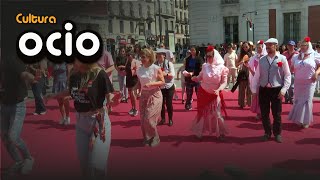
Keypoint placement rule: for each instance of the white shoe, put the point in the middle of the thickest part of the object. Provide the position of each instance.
(131, 112)
(43, 113)
(67, 121)
(135, 112)
(62, 121)
(27, 166)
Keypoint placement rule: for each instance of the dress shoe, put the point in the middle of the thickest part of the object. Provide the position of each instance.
(162, 122)
(170, 122)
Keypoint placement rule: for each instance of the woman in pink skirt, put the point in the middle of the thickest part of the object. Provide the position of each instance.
(150, 78)
(213, 78)
(252, 65)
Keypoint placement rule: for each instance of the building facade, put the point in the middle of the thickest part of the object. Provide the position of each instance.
(182, 22)
(220, 21)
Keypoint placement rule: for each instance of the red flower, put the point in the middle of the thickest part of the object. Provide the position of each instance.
(279, 64)
(261, 42)
(209, 48)
(307, 39)
(162, 69)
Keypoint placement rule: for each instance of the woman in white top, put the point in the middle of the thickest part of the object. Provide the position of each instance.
(306, 70)
(253, 64)
(213, 77)
(150, 78)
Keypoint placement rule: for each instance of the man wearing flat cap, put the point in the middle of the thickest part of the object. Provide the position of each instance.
(273, 78)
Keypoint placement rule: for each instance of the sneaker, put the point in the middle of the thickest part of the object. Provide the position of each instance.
(16, 167)
(35, 113)
(188, 107)
(62, 120)
(67, 121)
(131, 112)
(305, 126)
(222, 137)
(266, 137)
(278, 138)
(27, 166)
(43, 113)
(135, 112)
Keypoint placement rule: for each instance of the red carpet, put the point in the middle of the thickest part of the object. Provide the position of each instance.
(179, 153)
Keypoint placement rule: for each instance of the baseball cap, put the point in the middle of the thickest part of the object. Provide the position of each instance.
(292, 43)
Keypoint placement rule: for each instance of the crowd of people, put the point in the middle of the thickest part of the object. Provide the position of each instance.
(263, 76)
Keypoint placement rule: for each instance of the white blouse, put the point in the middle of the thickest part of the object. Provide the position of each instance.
(147, 75)
(213, 76)
(305, 69)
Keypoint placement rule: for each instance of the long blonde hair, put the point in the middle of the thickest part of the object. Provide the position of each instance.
(90, 75)
(149, 53)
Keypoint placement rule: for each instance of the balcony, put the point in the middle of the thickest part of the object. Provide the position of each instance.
(226, 2)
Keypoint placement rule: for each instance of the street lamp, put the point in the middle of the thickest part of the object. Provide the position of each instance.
(249, 22)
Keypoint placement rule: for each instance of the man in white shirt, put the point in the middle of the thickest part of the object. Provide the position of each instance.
(169, 54)
(273, 78)
(230, 62)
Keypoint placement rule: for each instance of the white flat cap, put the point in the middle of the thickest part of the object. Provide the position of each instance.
(272, 40)
(163, 51)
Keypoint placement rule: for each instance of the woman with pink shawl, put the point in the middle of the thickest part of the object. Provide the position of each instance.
(252, 65)
(210, 102)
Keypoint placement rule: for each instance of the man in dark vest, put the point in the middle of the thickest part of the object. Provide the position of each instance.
(273, 78)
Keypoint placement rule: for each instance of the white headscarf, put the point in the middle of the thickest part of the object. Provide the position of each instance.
(310, 49)
(217, 59)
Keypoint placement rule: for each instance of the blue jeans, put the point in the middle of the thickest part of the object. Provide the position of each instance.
(12, 117)
(95, 159)
(37, 91)
(122, 85)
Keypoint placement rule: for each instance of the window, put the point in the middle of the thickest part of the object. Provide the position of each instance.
(182, 31)
(186, 29)
(176, 15)
(131, 27)
(292, 23)
(166, 25)
(172, 27)
(131, 10)
(121, 27)
(141, 29)
(110, 28)
(181, 17)
(167, 8)
(229, 1)
(231, 30)
(140, 10)
(177, 29)
(149, 26)
(149, 11)
(185, 17)
(121, 10)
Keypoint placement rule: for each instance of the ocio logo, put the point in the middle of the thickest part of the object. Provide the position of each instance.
(60, 45)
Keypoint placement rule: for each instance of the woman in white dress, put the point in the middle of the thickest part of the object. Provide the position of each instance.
(306, 69)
